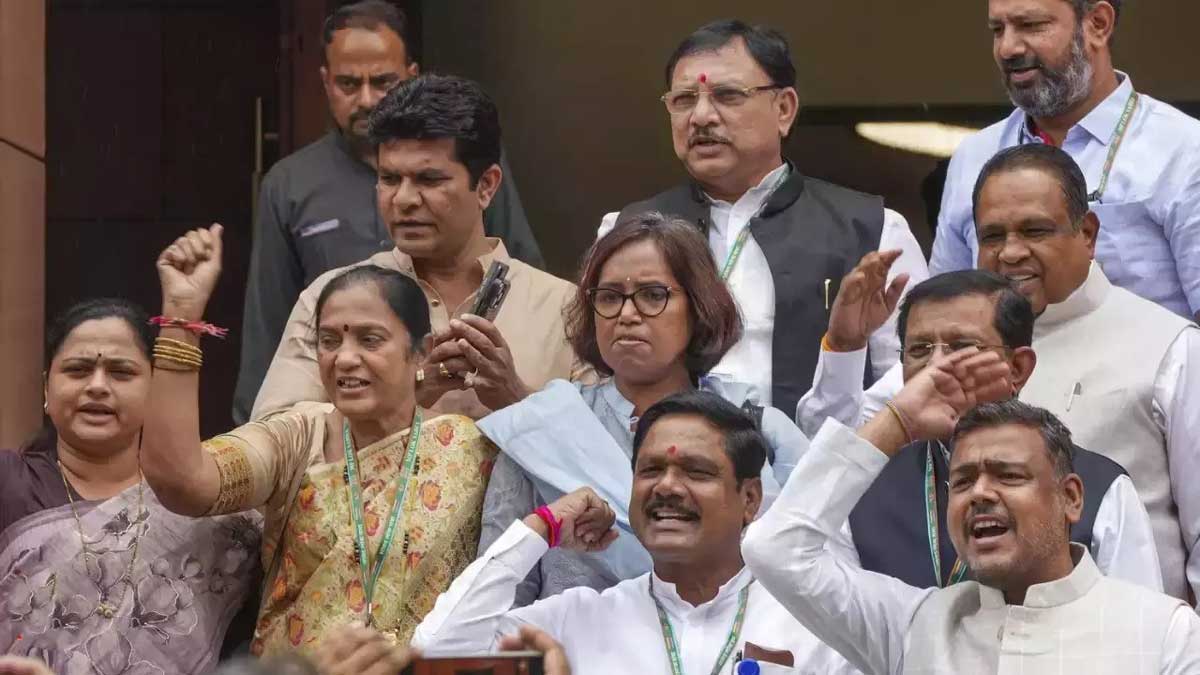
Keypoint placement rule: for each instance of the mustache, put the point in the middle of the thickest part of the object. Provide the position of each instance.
(674, 504)
(706, 135)
(360, 115)
(1022, 63)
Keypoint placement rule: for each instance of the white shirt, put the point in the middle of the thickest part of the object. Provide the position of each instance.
(1149, 239)
(837, 392)
(617, 630)
(753, 287)
(884, 626)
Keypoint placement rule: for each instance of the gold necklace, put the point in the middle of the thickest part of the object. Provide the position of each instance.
(105, 608)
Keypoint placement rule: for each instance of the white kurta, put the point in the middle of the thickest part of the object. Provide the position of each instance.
(1138, 371)
(1082, 623)
(615, 631)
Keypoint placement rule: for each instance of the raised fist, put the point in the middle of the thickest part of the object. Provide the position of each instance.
(188, 270)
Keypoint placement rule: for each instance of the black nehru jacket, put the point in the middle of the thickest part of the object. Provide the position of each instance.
(810, 231)
(888, 524)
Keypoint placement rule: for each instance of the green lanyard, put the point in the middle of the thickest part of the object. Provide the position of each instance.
(730, 642)
(959, 570)
(370, 574)
(1114, 145)
(735, 253)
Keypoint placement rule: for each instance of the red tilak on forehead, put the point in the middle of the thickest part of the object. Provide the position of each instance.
(703, 78)
(672, 450)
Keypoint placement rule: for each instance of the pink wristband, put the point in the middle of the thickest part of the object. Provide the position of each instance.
(552, 523)
(197, 327)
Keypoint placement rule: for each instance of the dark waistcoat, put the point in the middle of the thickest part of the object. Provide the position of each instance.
(810, 231)
(888, 524)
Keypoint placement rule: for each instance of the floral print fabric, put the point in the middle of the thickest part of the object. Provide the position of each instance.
(189, 578)
(318, 584)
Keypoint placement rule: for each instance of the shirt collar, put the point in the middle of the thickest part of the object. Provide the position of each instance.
(614, 399)
(1101, 121)
(497, 252)
(1083, 300)
(1052, 593)
(667, 594)
(759, 193)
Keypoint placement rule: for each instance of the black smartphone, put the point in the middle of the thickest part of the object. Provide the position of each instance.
(509, 663)
(492, 291)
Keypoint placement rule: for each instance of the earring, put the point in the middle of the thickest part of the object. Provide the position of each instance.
(46, 407)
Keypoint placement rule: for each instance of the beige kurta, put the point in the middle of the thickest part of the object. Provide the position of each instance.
(531, 321)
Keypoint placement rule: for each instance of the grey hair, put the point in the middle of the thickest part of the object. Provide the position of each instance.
(1054, 433)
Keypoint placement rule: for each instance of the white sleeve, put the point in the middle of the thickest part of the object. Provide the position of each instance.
(1176, 402)
(837, 392)
(607, 223)
(474, 612)
(863, 615)
(1122, 540)
(884, 343)
(1181, 648)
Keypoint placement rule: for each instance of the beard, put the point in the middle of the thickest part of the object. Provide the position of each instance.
(1058, 90)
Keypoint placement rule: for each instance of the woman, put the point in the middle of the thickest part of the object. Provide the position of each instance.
(95, 575)
(653, 315)
(365, 520)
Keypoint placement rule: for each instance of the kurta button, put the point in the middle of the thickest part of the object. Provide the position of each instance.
(436, 303)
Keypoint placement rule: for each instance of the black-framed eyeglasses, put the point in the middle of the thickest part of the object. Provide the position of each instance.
(649, 301)
(679, 101)
(919, 352)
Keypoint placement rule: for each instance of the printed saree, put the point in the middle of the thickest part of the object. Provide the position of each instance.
(189, 578)
(314, 583)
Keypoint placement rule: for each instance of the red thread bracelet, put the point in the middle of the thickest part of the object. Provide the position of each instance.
(197, 327)
(552, 523)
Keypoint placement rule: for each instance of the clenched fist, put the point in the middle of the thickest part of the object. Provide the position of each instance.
(188, 270)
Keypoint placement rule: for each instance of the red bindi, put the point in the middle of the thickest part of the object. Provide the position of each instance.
(345, 328)
(703, 78)
(672, 450)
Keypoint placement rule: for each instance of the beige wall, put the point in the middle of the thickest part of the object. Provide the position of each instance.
(577, 84)
(22, 215)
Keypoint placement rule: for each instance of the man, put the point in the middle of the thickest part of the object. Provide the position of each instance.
(1141, 156)
(1038, 605)
(782, 240)
(899, 526)
(696, 486)
(1122, 371)
(317, 209)
(438, 153)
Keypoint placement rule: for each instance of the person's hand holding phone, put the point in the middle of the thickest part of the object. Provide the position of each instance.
(493, 374)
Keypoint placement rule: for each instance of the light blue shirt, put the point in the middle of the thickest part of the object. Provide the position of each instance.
(1149, 213)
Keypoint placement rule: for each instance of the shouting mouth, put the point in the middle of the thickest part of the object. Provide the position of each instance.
(348, 384)
(986, 530)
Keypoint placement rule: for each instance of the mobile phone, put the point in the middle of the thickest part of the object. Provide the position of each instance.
(492, 291)
(508, 663)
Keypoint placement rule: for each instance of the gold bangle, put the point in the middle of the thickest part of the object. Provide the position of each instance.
(176, 350)
(176, 343)
(901, 419)
(184, 358)
(167, 344)
(162, 363)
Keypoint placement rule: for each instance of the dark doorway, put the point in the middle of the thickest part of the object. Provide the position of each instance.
(151, 132)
